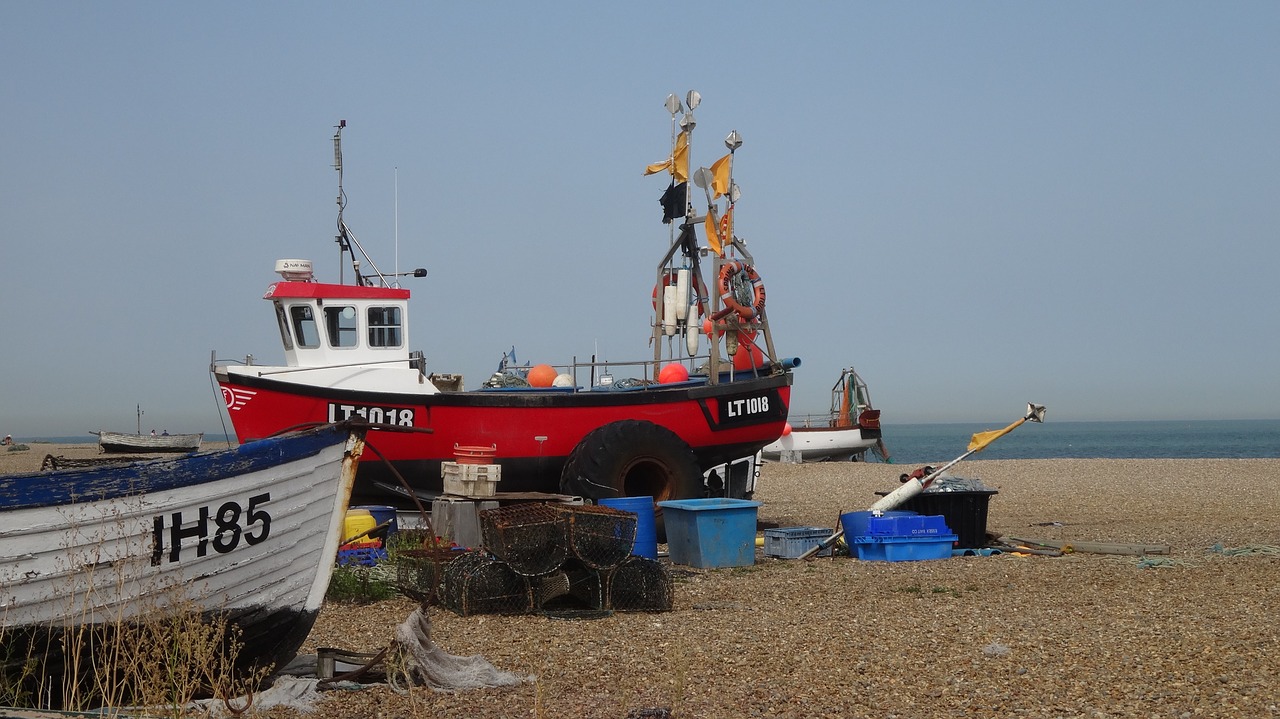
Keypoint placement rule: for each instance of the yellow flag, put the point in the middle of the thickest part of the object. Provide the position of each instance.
(677, 164)
(713, 232)
(658, 167)
(720, 176)
(680, 161)
(980, 440)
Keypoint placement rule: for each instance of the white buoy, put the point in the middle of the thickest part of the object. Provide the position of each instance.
(668, 310)
(691, 334)
(682, 293)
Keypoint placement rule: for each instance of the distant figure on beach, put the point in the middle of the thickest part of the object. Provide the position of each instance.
(153, 433)
(164, 433)
(8, 440)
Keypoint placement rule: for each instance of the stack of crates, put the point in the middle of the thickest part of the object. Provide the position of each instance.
(474, 474)
(904, 538)
(363, 550)
(470, 480)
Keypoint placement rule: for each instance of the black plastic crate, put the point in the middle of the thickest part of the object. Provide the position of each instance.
(965, 513)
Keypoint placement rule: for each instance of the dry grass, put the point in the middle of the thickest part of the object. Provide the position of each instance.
(161, 656)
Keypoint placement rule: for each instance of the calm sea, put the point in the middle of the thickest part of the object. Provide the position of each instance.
(1240, 439)
(936, 443)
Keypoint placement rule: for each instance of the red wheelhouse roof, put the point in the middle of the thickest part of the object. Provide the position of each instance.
(312, 290)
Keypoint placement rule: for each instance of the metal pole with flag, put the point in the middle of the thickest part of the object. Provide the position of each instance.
(915, 485)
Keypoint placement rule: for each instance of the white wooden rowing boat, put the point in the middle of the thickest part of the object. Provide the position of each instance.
(248, 534)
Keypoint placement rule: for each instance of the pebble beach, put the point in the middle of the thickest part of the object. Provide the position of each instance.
(1190, 633)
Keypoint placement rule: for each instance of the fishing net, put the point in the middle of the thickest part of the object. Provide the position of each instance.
(641, 585)
(419, 662)
(477, 583)
(601, 537)
(531, 538)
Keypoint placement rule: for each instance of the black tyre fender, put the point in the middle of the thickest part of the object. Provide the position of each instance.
(633, 458)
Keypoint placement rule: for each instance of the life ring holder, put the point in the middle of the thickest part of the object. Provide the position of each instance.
(725, 282)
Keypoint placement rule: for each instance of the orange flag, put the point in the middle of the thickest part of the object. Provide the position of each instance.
(720, 176)
(713, 233)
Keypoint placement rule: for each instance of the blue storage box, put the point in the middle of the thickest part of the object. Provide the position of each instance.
(911, 525)
(711, 533)
(903, 549)
(791, 542)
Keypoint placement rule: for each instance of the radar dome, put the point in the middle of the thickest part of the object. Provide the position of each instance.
(294, 270)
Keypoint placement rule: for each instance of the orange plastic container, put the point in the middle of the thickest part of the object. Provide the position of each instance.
(474, 455)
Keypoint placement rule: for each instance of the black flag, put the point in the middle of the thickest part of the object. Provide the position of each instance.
(673, 201)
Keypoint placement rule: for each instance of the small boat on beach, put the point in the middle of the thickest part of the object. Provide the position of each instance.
(116, 442)
(849, 429)
(652, 427)
(121, 443)
(247, 535)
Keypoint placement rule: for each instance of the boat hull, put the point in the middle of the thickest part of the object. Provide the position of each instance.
(818, 444)
(533, 430)
(248, 535)
(117, 442)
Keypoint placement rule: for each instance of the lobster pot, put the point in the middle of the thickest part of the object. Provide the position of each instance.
(588, 587)
(532, 538)
(420, 571)
(601, 537)
(641, 585)
(477, 583)
(549, 588)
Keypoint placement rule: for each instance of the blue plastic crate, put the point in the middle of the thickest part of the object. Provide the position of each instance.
(791, 542)
(910, 525)
(711, 533)
(903, 549)
(854, 524)
(366, 556)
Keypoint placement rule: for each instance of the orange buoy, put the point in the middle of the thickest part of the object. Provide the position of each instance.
(542, 375)
(786, 428)
(673, 373)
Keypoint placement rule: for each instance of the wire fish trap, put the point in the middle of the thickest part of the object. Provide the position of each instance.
(419, 572)
(532, 538)
(641, 584)
(549, 588)
(477, 583)
(601, 537)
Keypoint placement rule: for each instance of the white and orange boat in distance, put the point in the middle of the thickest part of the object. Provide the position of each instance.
(654, 427)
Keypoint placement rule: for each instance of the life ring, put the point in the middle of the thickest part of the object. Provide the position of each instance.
(729, 282)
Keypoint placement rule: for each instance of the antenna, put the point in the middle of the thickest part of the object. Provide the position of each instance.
(397, 185)
(341, 237)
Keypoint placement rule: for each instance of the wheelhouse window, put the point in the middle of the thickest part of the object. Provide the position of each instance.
(340, 323)
(384, 327)
(283, 321)
(303, 320)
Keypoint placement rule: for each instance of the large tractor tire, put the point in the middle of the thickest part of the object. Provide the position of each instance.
(633, 458)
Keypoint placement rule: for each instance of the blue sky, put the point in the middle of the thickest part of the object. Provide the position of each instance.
(974, 204)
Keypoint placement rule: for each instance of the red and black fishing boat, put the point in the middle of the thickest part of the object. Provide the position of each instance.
(580, 429)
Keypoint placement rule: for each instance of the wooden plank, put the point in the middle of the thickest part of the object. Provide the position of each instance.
(1095, 547)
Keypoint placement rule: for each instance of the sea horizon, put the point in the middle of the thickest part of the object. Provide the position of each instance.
(1110, 439)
